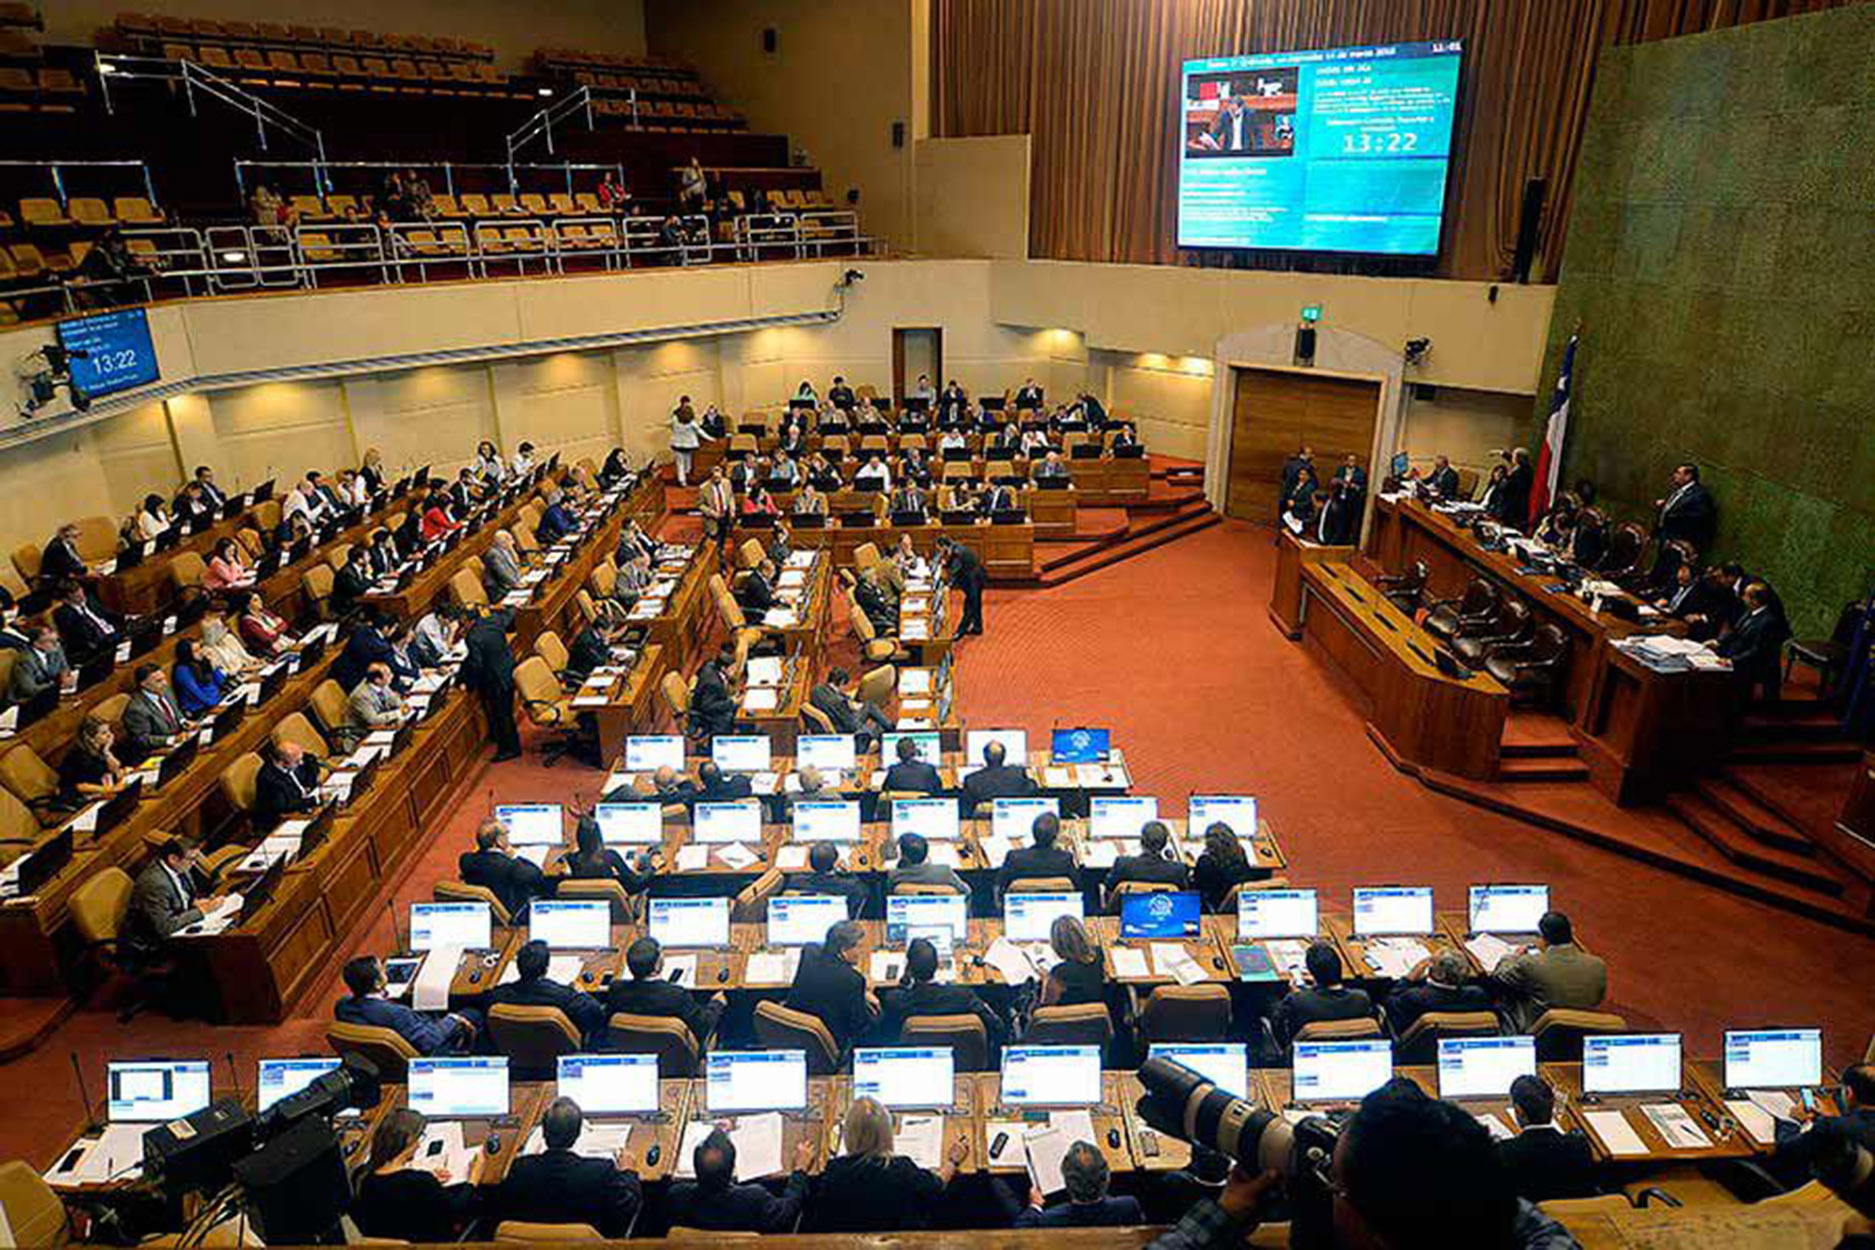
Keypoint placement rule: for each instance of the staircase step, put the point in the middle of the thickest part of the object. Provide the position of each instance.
(1535, 735)
(1814, 723)
(1737, 844)
(1541, 768)
(1139, 544)
(1795, 752)
(1760, 821)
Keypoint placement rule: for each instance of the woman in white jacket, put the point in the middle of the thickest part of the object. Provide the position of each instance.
(685, 439)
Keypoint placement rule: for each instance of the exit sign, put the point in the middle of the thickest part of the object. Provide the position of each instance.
(1311, 313)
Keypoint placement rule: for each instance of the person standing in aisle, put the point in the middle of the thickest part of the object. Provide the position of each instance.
(488, 670)
(968, 575)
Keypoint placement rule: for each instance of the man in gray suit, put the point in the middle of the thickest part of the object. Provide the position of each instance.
(166, 899)
(39, 668)
(914, 867)
(152, 716)
(375, 703)
(1554, 973)
(501, 570)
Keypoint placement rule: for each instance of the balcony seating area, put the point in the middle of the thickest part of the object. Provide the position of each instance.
(148, 33)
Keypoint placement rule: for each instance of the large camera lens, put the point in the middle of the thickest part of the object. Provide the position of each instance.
(1185, 1105)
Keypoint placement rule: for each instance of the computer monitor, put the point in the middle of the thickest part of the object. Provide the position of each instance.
(1225, 1064)
(636, 823)
(1015, 745)
(796, 920)
(282, 1078)
(1340, 1071)
(570, 924)
(1239, 811)
(907, 912)
(646, 753)
(739, 821)
(755, 1080)
(1264, 915)
(1383, 910)
(1080, 746)
(826, 752)
(1483, 1067)
(1015, 818)
(763, 670)
(1630, 1063)
(437, 926)
(932, 819)
(532, 824)
(1119, 816)
(1028, 917)
(930, 745)
(459, 1088)
(154, 1091)
(610, 1084)
(741, 753)
(905, 1076)
(1162, 914)
(1051, 1076)
(1507, 908)
(1773, 1058)
(690, 922)
(826, 820)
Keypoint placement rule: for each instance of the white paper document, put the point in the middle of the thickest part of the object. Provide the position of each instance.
(737, 856)
(1678, 1129)
(1394, 956)
(1615, 1133)
(1488, 950)
(791, 857)
(760, 699)
(693, 857)
(772, 967)
(1129, 963)
(443, 1153)
(1494, 1124)
(1009, 960)
(116, 1154)
(1754, 1119)
(758, 1145)
(995, 849)
(681, 970)
(597, 1139)
(430, 991)
(920, 1138)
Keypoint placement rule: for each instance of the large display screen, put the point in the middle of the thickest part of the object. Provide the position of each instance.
(1342, 150)
(109, 352)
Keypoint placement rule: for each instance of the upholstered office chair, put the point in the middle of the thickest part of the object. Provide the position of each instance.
(19, 828)
(865, 556)
(1126, 888)
(185, 571)
(751, 905)
(300, 731)
(1624, 552)
(676, 693)
(1448, 617)
(332, 710)
(588, 608)
(526, 1233)
(1534, 669)
(680, 1054)
(1405, 590)
(1560, 1030)
(1083, 1024)
(98, 909)
(815, 721)
(550, 648)
(782, 1028)
(1041, 885)
(548, 707)
(35, 1214)
(336, 555)
(385, 1049)
(1513, 625)
(750, 553)
(877, 686)
(875, 647)
(26, 559)
(237, 782)
(1185, 1013)
(463, 892)
(597, 889)
(936, 888)
(968, 1040)
(315, 588)
(1420, 1042)
(603, 579)
(533, 1038)
(1319, 1031)
(466, 589)
(33, 782)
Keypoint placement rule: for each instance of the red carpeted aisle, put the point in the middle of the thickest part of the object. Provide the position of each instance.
(1173, 651)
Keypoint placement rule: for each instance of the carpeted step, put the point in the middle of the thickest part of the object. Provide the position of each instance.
(1138, 544)
(1760, 821)
(1541, 768)
(1736, 843)
(1536, 735)
(1806, 796)
(1808, 721)
(1794, 752)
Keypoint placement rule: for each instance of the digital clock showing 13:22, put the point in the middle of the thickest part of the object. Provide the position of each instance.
(109, 352)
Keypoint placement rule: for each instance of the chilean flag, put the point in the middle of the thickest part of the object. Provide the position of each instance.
(1549, 457)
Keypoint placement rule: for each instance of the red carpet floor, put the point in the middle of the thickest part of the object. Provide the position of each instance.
(1173, 651)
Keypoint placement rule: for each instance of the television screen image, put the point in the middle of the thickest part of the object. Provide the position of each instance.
(1333, 150)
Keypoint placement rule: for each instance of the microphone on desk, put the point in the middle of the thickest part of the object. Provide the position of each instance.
(397, 937)
(234, 1075)
(84, 1095)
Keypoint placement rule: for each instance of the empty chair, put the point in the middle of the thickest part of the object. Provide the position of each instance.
(1185, 1013)
(968, 1040)
(1420, 1042)
(1405, 590)
(1559, 1032)
(383, 1048)
(1531, 670)
(463, 892)
(1513, 624)
(783, 1028)
(680, 1054)
(1449, 617)
(533, 1038)
(1082, 1024)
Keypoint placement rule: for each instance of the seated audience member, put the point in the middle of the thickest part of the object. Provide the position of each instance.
(911, 774)
(169, 895)
(650, 993)
(1807, 1138)
(1755, 646)
(353, 581)
(536, 989)
(198, 683)
(1043, 859)
(262, 632)
(89, 769)
(86, 630)
(808, 501)
(716, 786)
(228, 568)
(920, 993)
(1152, 864)
(151, 718)
(1080, 974)
(558, 1186)
(221, 646)
(829, 985)
(1221, 866)
(286, 784)
(876, 600)
(501, 566)
(557, 520)
(437, 523)
(515, 881)
(153, 518)
(1051, 466)
(375, 703)
(394, 1199)
(868, 1188)
(593, 860)
(435, 635)
(1437, 984)
(522, 462)
(43, 666)
(364, 646)
(714, 1202)
(1089, 1205)
(756, 593)
(1326, 998)
(1554, 973)
(381, 548)
(915, 867)
(995, 780)
(1545, 1162)
(873, 475)
(364, 977)
(712, 706)
(1696, 600)
(825, 876)
(59, 561)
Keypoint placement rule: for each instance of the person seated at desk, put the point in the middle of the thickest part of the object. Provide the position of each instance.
(592, 646)
(758, 502)
(996, 780)
(199, 684)
(1554, 973)
(1326, 998)
(40, 667)
(1443, 480)
(191, 506)
(634, 542)
(286, 784)
(592, 860)
(910, 774)
(1697, 600)
(1080, 972)
(914, 466)
(1221, 866)
(513, 880)
(557, 520)
(558, 1186)
(228, 568)
(221, 647)
(916, 867)
(920, 993)
(86, 631)
(262, 632)
(873, 475)
(437, 523)
(1544, 1162)
(747, 473)
(409, 535)
(840, 395)
(353, 581)
(1123, 439)
(713, 423)
(352, 489)
(756, 592)
(89, 769)
(672, 790)
(780, 547)
(1808, 1139)
(463, 492)
(823, 861)
(1755, 646)
(716, 786)
(1437, 984)
(1035, 444)
(1152, 864)
(1008, 438)
(151, 718)
(783, 474)
(650, 993)
(522, 462)
(169, 895)
(847, 714)
(870, 593)
(450, 1033)
(1557, 528)
(908, 498)
(809, 501)
(998, 497)
(712, 706)
(714, 1201)
(868, 1189)
(829, 985)
(395, 1200)
(952, 439)
(152, 518)
(306, 504)
(1042, 859)
(1085, 1173)
(501, 566)
(374, 703)
(536, 989)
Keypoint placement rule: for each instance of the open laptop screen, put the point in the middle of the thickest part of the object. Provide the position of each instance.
(756, 1080)
(155, 1091)
(905, 1076)
(610, 1084)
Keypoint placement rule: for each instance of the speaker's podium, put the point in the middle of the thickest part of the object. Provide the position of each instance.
(1293, 554)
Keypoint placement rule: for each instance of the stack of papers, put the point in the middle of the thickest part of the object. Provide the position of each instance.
(737, 856)
(443, 1153)
(1615, 1133)
(758, 1145)
(920, 1138)
(1290, 957)
(693, 858)
(1010, 961)
(1394, 956)
(1487, 950)
(760, 699)
(598, 1139)
(791, 857)
(772, 967)
(116, 1154)
(562, 968)
(430, 991)
(1173, 960)
(1675, 1126)
(995, 848)
(1129, 963)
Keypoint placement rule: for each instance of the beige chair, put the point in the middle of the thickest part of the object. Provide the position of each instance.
(463, 892)
(968, 1040)
(35, 1214)
(237, 782)
(331, 709)
(26, 558)
(524, 1233)
(750, 553)
(782, 1028)
(1560, 1030)
(751, 905)
(1125, 888)
(680, 1054)
(1185, 1013)
(33, 782)
(877, 687)
(597, 889)
(98, 909)
(676, 694)
(296, 729)
(865, 556)
(548, 707)
(185, 571)
(924, 887)
(384, 1048)
(1041, 885)
(1420, 1042)
(533, 1038)
(465, 588)
(549, 648)
(315, 586)
(1083, 1024)
(872, 645)
(1339, 1030)
(19, 828)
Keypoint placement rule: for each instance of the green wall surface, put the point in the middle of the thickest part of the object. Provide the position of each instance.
(1721, 266)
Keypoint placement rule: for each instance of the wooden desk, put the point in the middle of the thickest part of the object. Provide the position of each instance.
(1203, 949)
(960, 1120)
(1007, 551)
(629, 705)
(1108, 1116)
(1292, 556)
(1728, 1141)
(1340, 929)
(684, 623)
(796, 1127)
(1708, 1077)
(1420, 716)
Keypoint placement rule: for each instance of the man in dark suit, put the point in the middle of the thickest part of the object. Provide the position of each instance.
(907, 498)
(1089, 1205)
(60, 561)
(167, 897)
(1756, 646)
(716, 786)
(41, 667)
(1326, 999)
(556, 521)
(714, 1201)
(881, 611)
(968, 575)
(488, 669)
(86, 630)
(847, 714)
(1337, 517)
(285, 784)
(151, 717)
(829, 985)
(514, 881)
(1029, 395)
(920, 994)
(1438, 984)
(1234, 129)
(712, 707)
(1544, 1162)
(1151, 864)
(756, 594)
(1443, 480)
(205, 483)
(364, 977)
(995, 780)
(1293, 470)
(1693, 599)
(995, 498)
(1043, 859)
(1798, 1138)
(910, 773)
(840, 395)
(558, 1186)
(648, 993)
(535, 989)
(825, 877)
(364, 646)
(353, 581)
(1687, 511)
(1512, 501)
(1351, 476)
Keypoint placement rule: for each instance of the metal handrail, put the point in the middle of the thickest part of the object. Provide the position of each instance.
(193, 78)
(321, 170)
(58, 180)
(542, 122)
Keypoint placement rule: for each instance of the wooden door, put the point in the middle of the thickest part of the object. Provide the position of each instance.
(1275, 412)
